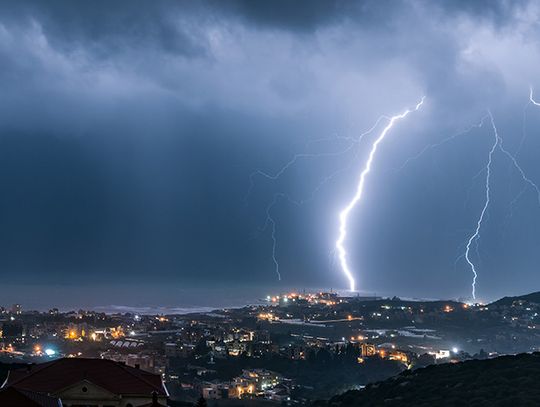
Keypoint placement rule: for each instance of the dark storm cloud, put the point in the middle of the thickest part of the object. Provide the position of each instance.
(308, 15)
(109, 27)
(128, 131)
(294, 15)
(105, 28)
(497, 11)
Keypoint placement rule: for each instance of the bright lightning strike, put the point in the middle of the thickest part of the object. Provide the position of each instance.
(476, 235)
(344, 214)
(270, 222)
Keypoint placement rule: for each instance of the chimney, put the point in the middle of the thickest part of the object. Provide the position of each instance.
(137, 366)
(154, 399)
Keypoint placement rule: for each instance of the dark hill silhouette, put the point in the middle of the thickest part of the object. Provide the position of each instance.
(530, 298)
(503, 381)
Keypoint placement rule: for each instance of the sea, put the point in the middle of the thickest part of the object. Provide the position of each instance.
(173, 298)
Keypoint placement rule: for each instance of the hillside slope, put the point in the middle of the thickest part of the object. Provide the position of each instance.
(503, 381)
(527, 298)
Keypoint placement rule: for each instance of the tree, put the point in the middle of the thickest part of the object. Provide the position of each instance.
(201, 348)
(201, 402)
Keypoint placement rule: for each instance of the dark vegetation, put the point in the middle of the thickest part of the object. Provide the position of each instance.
(533, 298)
(321, 375)
(503, 381)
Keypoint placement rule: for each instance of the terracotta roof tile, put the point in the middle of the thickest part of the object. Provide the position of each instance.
(23, 398)
(59, 374)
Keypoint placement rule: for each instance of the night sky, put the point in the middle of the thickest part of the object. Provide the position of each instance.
(129, 131)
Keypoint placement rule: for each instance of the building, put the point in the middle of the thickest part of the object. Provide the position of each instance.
(90, 382)
(16, 309)
(141, 360)
(255, 382)
(23, 398)
(12, 330)
(367, 349)
(215, 389)
(280, 393)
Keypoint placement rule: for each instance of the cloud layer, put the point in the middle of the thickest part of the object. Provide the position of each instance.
(129, 131)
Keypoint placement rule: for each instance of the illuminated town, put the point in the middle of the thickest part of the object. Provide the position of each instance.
(275, 350)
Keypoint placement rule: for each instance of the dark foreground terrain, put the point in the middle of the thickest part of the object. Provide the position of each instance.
(503, 381)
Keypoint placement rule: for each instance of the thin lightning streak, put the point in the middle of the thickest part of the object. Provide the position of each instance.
(275, 176)
(521, 172)
(440, 143)
(355, 140)
(514, 161)
(271, 222)
(476, 234)
(531, 98)
(523, 125)
(274, 244)
(514, 201)
(325, 180)
(344, 214)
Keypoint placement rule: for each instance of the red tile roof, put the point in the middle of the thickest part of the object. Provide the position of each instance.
(52, 377)
(24, 398)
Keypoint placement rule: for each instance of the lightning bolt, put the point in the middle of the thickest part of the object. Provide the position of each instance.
(531, 98)
(476, 235)
(518, 167)
(527, 180)
(498, 144)
(440, 143)
(472, 242)
(344, 214)
(270, 222)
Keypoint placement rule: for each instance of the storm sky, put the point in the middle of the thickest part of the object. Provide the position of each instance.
(129, 130)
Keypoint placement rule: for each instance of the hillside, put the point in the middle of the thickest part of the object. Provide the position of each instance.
(527, 298)
(503, 381)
